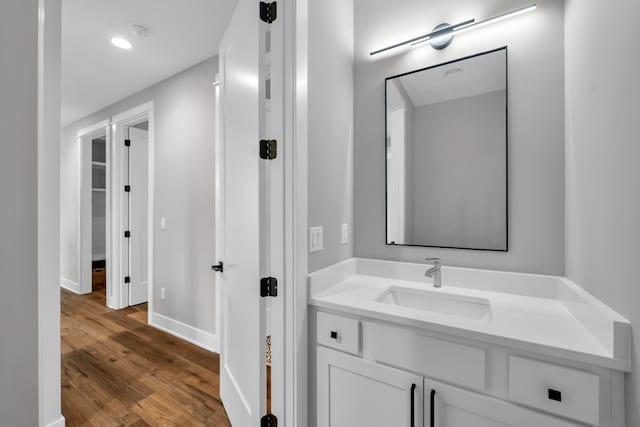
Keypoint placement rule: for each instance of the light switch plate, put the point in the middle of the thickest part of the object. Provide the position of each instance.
(345, 234)
(316, 242)
(163, 223)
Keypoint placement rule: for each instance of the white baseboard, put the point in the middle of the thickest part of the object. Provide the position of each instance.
(57, 423)
(196, 336)
(70, 285)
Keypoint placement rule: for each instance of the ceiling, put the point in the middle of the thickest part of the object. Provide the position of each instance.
(479, 75)
(96, 74)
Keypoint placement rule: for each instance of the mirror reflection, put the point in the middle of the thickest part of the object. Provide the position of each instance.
(446, 151)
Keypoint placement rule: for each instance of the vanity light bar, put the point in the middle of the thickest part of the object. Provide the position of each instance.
(459, 28)
(426, 37)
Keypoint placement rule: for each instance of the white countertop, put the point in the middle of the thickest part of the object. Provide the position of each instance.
(523, 319)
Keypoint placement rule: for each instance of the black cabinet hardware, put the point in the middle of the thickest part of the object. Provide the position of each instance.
(219, 267)
(555, 395)
(433, 408)
(413, 406)
(334, 335)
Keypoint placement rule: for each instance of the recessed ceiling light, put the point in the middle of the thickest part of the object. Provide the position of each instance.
(121, 43)
(453, 72)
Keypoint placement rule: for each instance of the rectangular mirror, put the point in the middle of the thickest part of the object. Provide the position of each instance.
(446, 155)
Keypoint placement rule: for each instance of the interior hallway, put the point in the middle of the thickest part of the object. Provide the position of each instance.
(118, 371)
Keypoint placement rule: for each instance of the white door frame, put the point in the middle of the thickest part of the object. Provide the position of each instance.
(296, 211)
(217, 207)
(49, 24)
(84, 137)
(117, 292)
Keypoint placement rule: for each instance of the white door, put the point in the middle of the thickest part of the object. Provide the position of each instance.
(354, 392)
(454, 407)
(138, 216)
(243, 217)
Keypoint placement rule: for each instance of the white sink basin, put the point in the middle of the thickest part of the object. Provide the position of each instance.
(437, 302)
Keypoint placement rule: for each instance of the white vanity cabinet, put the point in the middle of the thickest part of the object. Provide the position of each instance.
(357, 392)
(373, 373)
(542, 352)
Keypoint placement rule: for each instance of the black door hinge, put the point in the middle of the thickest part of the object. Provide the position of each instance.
(268, 287)
(127, 143)
(268, 12)
(127, 189)
(268, 149)
(127, 234)
(269, 420)
(127, 279)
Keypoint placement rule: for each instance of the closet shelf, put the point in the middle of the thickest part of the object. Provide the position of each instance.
(99, 164)
(99, 189)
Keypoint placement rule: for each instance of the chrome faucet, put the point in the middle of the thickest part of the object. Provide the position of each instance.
(435, 272)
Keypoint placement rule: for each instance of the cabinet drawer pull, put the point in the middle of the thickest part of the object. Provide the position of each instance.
(334, 335)
(433, 408)
(555, 395)
(413, 406)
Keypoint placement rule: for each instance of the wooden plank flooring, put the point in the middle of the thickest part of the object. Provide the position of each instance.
(118, 371)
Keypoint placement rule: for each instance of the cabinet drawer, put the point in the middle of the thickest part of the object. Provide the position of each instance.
(433, 357)
(560, 390)
(339, 332)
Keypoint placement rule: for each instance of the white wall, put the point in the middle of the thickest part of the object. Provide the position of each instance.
(19, 227)
(29, 263)
(184, 113)
(536, 123)
(330, 100)
(603, 155)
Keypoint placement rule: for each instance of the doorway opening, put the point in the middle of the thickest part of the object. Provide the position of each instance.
(99, 214)
(131, 342)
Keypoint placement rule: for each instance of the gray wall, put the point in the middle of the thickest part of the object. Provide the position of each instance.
(536, 123)
(19, 225)
(184, 113)
(330, 100)
(603, 177)
(459, 173)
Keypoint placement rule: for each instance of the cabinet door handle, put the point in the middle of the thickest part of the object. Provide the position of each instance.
(554, 395)
(433, 408)
(413, 406)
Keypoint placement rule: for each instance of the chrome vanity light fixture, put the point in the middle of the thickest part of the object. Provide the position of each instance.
(442, 34)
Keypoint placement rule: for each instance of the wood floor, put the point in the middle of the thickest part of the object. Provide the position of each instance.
(118, 371)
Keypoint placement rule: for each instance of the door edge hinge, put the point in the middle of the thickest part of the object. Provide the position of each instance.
(127, 143)
(268, 11)
(127, 234)
(127, 189)
(127, 279)
(269, 420)
(268, 149)
(268, 287)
